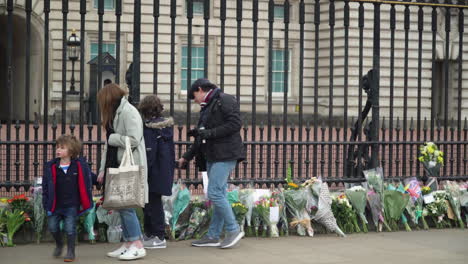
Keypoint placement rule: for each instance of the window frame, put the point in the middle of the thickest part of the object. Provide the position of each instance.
(185, 68)
(278, 94)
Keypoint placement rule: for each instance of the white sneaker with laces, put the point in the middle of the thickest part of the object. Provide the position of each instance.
(133, 253)
(118, 252)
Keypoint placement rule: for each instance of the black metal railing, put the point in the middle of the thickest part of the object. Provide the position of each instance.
(318, 139)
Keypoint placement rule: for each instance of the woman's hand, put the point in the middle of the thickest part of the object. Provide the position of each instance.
(100, 177)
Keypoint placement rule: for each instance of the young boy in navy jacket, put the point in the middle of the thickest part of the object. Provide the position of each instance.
(67, 192)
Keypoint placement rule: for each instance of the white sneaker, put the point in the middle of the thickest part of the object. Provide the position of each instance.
(133, 253)
(118, 252)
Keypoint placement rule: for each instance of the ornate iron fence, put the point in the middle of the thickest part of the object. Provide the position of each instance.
(329, 134)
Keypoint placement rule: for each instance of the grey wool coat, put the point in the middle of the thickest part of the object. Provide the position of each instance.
(128, 122)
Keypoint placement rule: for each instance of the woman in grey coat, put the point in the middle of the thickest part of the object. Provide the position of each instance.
(121, 120)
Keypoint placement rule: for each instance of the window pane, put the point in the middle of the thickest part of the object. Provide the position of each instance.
(109, 4)
(197, 7)
(279, 11)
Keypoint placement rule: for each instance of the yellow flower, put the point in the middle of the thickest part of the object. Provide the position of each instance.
(430, 149)
(421, 158)
(292, 184)
(440, 159)
(4, 200)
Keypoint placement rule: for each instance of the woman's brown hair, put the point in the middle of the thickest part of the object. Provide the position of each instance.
(109, 99)
(151, 107)
(72, 143)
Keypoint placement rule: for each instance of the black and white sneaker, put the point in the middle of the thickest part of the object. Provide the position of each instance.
(206, 242)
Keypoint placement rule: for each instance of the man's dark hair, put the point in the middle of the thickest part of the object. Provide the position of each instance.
(205, 85)
(107, 81)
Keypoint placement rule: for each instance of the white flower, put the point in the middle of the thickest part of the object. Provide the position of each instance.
(357, 189)
(436, 153)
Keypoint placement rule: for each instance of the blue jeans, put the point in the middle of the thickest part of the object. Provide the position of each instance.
(131, 230)
(218, 174)
(68, 215)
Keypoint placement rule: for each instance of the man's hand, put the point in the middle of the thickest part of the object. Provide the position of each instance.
(182, 163)
(100, 177)
(205, 133)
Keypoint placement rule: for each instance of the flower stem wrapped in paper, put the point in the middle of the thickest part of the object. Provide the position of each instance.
(247, 198)
(296, 201)
(112, 219)
(357, 196)
(180, 204)
(88, 224)
(278, 195)
(454, 197)
(404, 220)
(324, 214)
(394, 205)
(376, 207)
(345, 215)
(38, 210)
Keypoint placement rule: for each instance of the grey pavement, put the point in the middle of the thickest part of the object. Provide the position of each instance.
(425, 247)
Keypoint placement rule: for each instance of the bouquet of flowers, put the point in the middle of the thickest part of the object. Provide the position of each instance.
(376, 208)
(324, 214)
(415, 205)
(394, 204)
(21, 203)
(431, 158)
(239, 211)
(268, 211)
(279, 197)
(14, 219)
(296, 201)
(454, 197)
(358, 197)
(246, 197)
(195, 220)
(112, 219)
(3, 234)
(180, 204)
(345, 215)
(438, 209)
(38, 212)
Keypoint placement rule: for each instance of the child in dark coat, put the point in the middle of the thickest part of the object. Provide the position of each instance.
(160, 152)
(67, 192)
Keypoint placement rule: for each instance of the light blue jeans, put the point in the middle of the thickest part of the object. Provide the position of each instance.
(218, 174)
(131, 230)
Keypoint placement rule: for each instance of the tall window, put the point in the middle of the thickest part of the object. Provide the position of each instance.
(106, 47)
(198, 65)
(278, 71)
(198, 7)
(108, 4)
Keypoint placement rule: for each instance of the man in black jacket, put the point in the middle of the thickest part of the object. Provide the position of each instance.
(218, 141)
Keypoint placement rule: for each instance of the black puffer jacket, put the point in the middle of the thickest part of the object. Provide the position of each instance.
(221, 116)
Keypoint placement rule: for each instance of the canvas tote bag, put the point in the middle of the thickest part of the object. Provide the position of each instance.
(124, 185)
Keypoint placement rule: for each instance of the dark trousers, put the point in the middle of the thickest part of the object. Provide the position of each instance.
(154, 216)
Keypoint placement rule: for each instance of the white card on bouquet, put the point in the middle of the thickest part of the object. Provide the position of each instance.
(428, 198)
(274, 214)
